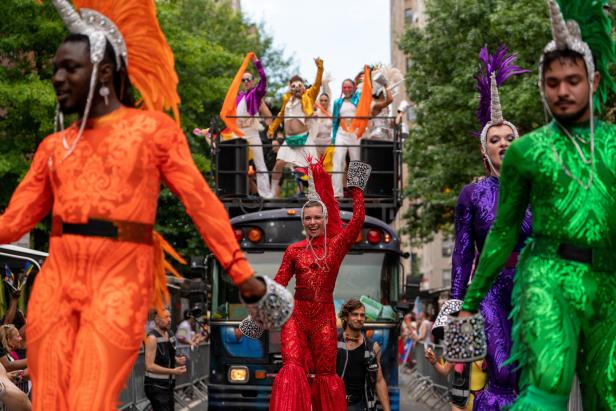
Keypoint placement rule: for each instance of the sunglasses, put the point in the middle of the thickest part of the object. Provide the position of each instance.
(246, 80)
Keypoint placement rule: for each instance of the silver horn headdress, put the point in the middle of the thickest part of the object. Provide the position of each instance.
(99, 29)
(132, 29)
(498, 67)
(582, 26)
(566, 36)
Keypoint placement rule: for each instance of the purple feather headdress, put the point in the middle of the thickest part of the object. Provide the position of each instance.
(502, 66)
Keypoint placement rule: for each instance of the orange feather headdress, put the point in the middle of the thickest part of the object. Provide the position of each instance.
(132, 29)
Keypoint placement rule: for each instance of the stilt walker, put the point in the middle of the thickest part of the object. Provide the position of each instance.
(312, 327)
(100, 178)
(565, 285)
(475, 214)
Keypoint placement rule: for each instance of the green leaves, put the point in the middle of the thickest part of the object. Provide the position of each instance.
(442, 154)
(209, 41)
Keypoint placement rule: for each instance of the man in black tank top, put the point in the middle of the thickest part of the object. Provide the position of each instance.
(160, 364)
(358, 362)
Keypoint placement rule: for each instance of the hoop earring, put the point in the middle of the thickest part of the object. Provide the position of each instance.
(104, 92)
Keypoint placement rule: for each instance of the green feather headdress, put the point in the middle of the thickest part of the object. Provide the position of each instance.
(583, 26)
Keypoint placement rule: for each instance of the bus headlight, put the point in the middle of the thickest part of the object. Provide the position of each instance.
(238, 374)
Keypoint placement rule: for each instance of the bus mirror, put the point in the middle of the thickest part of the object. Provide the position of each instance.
(406, 255)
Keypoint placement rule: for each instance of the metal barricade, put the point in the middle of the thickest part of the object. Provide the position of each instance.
(425, 383)
(191, 387)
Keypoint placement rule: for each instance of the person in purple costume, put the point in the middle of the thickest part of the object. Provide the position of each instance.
(248, 103)
(475, 213)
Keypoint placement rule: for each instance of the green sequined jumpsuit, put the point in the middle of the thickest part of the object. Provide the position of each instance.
(564, 317)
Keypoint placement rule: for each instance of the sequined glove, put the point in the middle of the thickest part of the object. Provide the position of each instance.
(251, 328)
(450, 307)
(358, 174)
(274, 308)
(465, 339)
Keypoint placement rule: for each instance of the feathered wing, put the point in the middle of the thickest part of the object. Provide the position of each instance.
(596, 28)
(503, 65)
(151, 65)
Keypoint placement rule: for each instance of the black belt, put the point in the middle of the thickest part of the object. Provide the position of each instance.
(574, 253)
(599, 259)
(129, 231)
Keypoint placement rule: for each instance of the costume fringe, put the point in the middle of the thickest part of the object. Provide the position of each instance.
(160, 297)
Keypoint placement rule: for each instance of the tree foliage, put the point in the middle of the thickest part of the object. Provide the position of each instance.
(209, 41)
(442, 153)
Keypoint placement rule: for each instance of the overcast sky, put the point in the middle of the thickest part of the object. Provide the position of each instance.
(346, 34)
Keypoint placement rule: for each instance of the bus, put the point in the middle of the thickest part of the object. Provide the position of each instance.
(242, 370)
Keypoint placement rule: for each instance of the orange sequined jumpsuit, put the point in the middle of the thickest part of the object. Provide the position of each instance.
(89, 304)
(312, 326)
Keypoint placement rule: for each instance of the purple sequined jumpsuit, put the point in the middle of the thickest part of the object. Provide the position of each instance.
(475, 214)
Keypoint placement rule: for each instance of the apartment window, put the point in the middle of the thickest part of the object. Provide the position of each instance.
(447, 248)
(446, 278)
(408, 16)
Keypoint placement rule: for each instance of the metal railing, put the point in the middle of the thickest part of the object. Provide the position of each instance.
(427, 386)
(190, 388)
(393, 172)
(424, 383)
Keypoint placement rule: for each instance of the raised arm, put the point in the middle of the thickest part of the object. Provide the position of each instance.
(261, 88)
(326, 89)
(353, 227)
(380, 105)
(210, 217)
(278, 120)
(464, 251)
(285, 272)
(313, 91)
(512, 204)
(31, 201)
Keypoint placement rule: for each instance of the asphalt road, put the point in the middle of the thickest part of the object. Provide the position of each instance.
(406, 403)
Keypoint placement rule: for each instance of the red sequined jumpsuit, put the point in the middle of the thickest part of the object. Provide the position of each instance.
(312, 325)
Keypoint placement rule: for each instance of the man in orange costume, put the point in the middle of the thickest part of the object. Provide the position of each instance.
(100, 178)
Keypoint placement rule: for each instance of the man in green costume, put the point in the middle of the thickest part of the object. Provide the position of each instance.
(565, 287)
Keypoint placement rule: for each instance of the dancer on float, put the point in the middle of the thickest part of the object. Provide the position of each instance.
(475, 214)
(351, 112)
(311, 330)
(100, 179)
(380, 127)
(247, 102)
(322, 118)
(297, 106)
(565, 285)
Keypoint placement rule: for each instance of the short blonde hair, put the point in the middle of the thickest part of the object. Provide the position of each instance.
(5, 335)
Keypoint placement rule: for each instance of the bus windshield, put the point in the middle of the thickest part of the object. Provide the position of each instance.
(372, 274)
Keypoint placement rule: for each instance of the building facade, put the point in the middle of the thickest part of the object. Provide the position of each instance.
(434, 258)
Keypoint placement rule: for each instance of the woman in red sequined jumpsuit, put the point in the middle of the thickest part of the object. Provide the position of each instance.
(312, 326)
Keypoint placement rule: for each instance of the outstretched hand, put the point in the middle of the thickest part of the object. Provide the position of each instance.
(318, 61)
(252, 289)
(464, 314)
